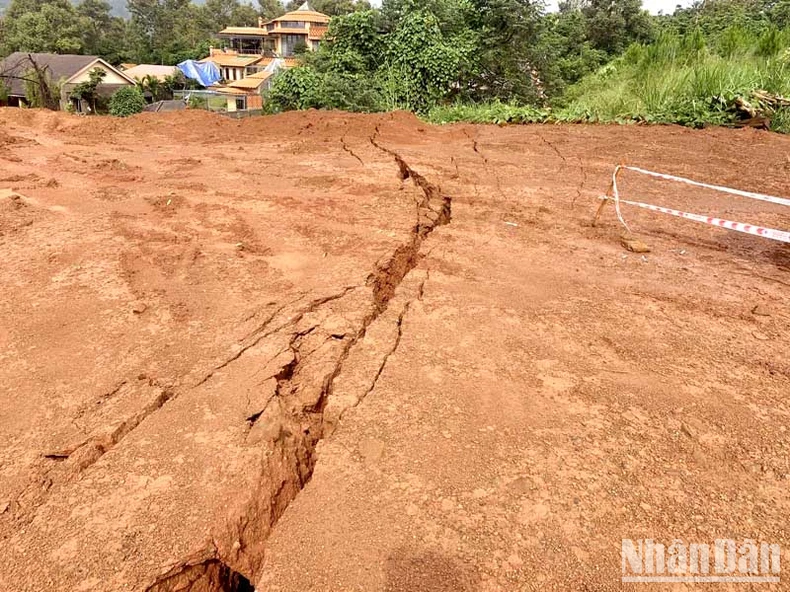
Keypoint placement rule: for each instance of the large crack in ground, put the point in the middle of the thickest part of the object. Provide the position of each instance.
(292, 421)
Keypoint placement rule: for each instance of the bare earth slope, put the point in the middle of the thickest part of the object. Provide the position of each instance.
(333, 352)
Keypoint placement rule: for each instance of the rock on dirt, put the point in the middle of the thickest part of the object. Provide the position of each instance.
(634, 245)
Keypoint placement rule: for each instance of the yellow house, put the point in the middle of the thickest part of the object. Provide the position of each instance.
(232, 66)
(280, 36)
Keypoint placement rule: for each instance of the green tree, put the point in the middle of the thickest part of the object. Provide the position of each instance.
(215, 15)
(127, 101)
(613, 25)
(429, 63)
(269, 9)
(40, 89)
(86, 91)
(507, 65)
(102, 34)
(166, 31)
(42, 26)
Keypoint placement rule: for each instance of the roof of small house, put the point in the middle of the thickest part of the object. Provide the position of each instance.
(251, 31)
(142, 70)
(57, 65)
(232, 60)
(229, 90)
(251, 82)
(289, 62)
(303, 13)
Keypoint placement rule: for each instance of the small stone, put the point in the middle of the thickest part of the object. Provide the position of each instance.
(760, 336)
(3, 507)
(688, 430)
(760, 311)
(139, 307)
(634, 245)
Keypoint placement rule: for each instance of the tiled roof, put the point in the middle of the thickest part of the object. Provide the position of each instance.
(251, 82)
(306, 16)
(142, 70)
(232, 60)
(228, 90)
(317, 32)
(304, 13)
(289, 62)
(251, 31)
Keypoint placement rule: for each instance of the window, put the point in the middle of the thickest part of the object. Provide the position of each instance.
(289, 42)
(240, 106)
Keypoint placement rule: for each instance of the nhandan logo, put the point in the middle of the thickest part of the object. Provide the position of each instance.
(645, 560)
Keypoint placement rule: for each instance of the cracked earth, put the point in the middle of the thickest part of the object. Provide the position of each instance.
(322, 351)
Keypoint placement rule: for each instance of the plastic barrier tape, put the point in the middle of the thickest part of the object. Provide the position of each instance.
(779, 235)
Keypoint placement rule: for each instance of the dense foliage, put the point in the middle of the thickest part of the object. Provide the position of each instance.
(419, 54)
(127, 101)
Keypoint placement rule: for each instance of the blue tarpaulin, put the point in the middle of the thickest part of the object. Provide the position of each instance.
(206, 73)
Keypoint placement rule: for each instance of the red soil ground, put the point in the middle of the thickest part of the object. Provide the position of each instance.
(335, 352)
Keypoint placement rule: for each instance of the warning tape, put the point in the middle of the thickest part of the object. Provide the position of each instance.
(779, 235)
(749, 194)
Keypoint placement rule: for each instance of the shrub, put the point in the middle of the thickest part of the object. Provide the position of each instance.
(297, 88)
(493, 112)
(127, 101)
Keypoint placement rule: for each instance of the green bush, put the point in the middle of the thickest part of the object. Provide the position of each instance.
(494, 112)
(297, 88)
(127, 101)
(306, 88)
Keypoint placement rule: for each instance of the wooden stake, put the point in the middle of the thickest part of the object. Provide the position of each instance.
(603, 203)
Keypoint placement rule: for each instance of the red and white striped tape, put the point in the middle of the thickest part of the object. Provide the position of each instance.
(762, 197)
(779, 235)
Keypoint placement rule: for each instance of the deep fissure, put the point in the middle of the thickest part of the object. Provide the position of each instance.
(297, 416)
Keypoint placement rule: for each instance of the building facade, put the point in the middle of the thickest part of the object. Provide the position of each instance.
(281, 37)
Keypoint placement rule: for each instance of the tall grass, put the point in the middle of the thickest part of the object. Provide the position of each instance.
(687, 79)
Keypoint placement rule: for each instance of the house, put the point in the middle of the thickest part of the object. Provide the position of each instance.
(232, 66)
(282, 36)
(140, 71)
(246, 94)
(65, 71)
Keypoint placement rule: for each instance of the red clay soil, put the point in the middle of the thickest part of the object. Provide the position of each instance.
(322, 351)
